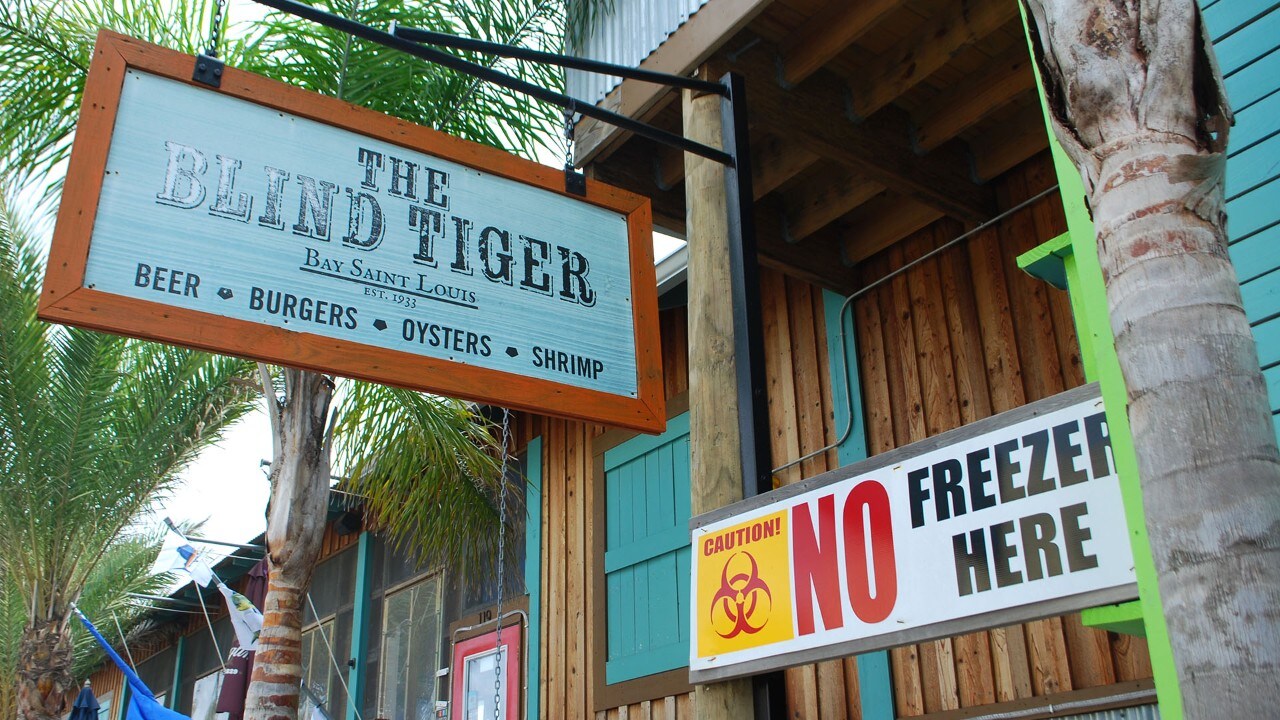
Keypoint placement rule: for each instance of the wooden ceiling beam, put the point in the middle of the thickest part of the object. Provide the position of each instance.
(923, 53)
(823, 199)
(819, 261)
(881, 223)
(1017, 139)
(994, 85)
(814, 115)
(835, 27)
(773, 162)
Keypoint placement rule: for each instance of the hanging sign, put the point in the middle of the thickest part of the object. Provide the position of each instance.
(265, 221)
(1011, 518)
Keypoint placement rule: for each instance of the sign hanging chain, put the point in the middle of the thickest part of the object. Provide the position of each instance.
(502, 561)
(568, 136)
(215, 30)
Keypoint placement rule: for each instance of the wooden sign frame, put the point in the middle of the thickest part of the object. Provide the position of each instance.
(66, 299)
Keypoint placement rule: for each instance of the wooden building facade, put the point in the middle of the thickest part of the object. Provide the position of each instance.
(881, 131)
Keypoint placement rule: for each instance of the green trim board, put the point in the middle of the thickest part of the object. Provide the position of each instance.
(533, 574)
(1096, 339)
(875, 682)
(1123, 618)
(360, 629)
(1047, 261)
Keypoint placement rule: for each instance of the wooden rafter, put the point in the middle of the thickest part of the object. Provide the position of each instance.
(881, 223)
(994, 85)
(774, 161)
(836, 26)
(823, 198)
(1021, 135)
(919, 55)
(878, 148)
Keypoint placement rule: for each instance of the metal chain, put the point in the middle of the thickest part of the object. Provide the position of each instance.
(568, 134)
(502, 561)
(215, 32)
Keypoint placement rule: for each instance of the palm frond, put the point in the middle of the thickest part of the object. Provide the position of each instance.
(434, 480)
(45, 48)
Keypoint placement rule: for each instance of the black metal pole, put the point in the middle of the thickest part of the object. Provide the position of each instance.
(547, 58)
(438, 57)
(769, 689)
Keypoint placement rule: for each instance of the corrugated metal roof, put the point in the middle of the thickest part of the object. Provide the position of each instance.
(626, 37)
(1142, 712)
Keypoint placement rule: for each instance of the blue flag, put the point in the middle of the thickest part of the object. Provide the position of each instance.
(142, 702)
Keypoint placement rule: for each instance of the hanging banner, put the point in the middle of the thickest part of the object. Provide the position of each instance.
(1008, 519)
(265, 221)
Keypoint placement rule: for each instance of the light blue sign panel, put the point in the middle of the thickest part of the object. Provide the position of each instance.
(221, 206)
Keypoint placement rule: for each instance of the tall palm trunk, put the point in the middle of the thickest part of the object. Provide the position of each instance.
(1138, 103)
(44, 672)
(295, 528)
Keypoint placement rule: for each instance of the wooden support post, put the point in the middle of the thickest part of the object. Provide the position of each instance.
(716, 466)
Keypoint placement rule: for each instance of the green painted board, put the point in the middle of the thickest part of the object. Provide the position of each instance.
(1249, 42)
(1251, 169)
(1256, 123)
(1262, 297)
(1254, 211)
(1257, 254)
(1254, 81)
(1268, 337)
(1272, 377)
(1225, 18)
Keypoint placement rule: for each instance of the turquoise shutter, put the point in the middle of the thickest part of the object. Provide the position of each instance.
(1246, 38)
(646, 560)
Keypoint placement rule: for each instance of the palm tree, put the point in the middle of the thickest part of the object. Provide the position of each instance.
(425, 464)
(431, 478)
(93, 428)
(1137, 102)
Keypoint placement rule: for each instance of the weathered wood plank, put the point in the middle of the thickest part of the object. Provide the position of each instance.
(836, 26)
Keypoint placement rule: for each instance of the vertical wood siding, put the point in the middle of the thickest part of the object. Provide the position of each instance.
(1246, 37)
(956, 339)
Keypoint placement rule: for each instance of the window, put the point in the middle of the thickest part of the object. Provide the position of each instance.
(204, 697)
(317, 671)
(646, 558)
(104, 705)
(411, 621)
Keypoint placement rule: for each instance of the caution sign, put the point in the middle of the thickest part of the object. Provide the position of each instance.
(1015, 517)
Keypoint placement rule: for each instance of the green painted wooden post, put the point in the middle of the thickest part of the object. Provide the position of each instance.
(1094, 326)
(875, 683)
(533, 573)
(360, 629)
(175, 687)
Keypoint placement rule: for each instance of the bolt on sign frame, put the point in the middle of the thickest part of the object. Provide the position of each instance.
(518, 293)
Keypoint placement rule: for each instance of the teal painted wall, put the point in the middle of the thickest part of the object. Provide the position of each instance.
(1246, 36)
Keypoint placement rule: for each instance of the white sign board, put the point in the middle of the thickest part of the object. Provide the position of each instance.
(339, 224)
(1014, 517)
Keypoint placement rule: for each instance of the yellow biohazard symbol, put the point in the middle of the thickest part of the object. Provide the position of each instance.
(742, 596)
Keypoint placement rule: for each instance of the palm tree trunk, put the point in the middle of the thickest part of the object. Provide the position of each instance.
(1138, 103)
(44, 672)
(295, 528)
